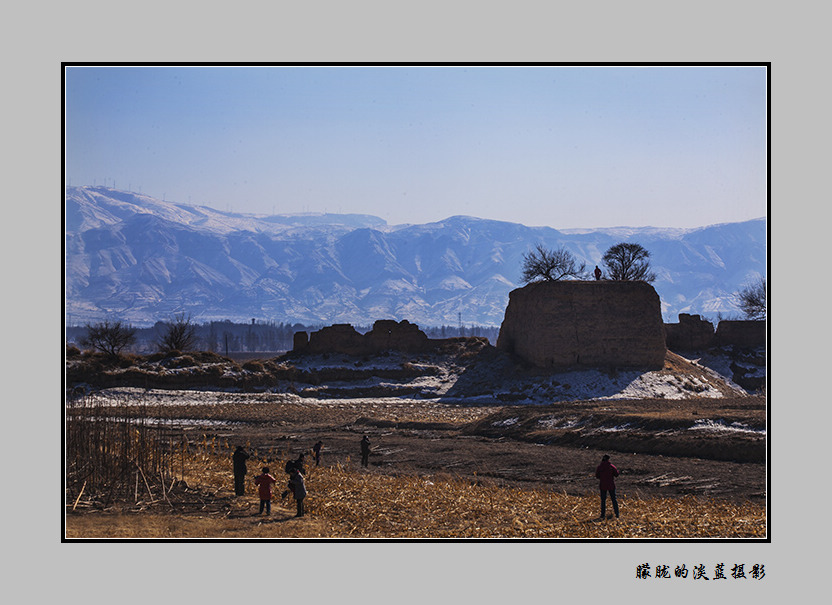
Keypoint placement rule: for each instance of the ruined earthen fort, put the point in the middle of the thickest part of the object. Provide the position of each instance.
(562, 324)
(693, 333)
(585, 323)
(386, 335)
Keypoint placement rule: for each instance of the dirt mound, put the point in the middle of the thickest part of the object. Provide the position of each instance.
(719, 429)
(468, 370)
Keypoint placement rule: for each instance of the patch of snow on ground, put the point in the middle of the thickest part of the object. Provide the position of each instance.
(559, 423)
(614, 429)
(593, 384)
(506, 422)
(318, 362)
(720, 426)
(119, 396)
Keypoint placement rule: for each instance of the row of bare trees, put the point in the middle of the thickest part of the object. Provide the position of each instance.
(112, 337)
(626, 261)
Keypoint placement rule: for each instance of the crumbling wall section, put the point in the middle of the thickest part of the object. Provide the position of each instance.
(585, 324)
(386, 335)
(749, 333)
(690, 334)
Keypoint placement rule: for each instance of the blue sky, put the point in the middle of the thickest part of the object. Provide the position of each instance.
(561, 146)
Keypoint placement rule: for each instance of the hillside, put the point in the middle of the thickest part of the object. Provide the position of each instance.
(141, 260)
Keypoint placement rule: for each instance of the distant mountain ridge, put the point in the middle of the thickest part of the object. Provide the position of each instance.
(139, 259)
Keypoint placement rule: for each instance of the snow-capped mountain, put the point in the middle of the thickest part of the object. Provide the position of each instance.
(139, 259)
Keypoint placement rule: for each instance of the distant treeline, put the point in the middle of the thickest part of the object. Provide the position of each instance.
(228, 337)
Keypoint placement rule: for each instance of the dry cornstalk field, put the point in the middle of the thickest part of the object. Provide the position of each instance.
(347, 503)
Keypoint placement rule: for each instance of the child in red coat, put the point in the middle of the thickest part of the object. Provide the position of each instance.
(264, 485)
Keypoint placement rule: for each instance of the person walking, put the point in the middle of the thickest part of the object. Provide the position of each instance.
(264, 485)
(365, 451)
(299, 490)
(317, 450)
(607, 472)
(239, 458)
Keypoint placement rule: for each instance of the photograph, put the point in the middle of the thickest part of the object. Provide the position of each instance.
(416, 302)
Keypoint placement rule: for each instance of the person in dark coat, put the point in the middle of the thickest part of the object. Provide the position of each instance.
(299, 463)
(239, 458)
(597, 273)
(317, 449)
(293, 465)
(299, 490)
(365, 451)
(607, 473)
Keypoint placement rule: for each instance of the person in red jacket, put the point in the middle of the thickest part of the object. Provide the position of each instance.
(264, 485)
(607, 473)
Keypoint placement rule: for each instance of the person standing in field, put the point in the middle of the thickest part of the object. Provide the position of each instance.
(365, 451)
(597, 273)
(291, 465)
(299, 490)
(264, 485)
(239, 458)
(317, 450)
(607, 473)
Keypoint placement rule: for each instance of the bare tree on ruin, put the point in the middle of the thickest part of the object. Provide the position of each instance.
(752, 299)
(551, 265)
(628, 262)
(109, 337)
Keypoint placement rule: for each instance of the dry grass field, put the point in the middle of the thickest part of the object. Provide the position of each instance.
(352, 503)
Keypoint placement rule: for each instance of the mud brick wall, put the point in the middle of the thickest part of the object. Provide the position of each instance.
(389, 335)
(338, 338)
(585, 324)
(690, 334)
(386, 335)
(750, 333)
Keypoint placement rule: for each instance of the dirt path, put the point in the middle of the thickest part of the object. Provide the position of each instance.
(508, 462)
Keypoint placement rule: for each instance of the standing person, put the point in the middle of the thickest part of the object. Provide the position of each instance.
(299, 489)
(264, 485)
(317, 449)
(365, 451)
(597, 273)
(297, 463)
(290, 466)
(606, 472)
(239, 458)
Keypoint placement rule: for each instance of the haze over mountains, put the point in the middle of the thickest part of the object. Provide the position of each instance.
(138, 259)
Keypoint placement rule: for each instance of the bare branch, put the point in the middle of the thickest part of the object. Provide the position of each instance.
(752, 300)
(551, 265)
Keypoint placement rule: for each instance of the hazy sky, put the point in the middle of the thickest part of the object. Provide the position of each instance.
(562, 146)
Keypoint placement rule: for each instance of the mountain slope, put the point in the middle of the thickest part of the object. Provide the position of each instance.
(139, 259)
